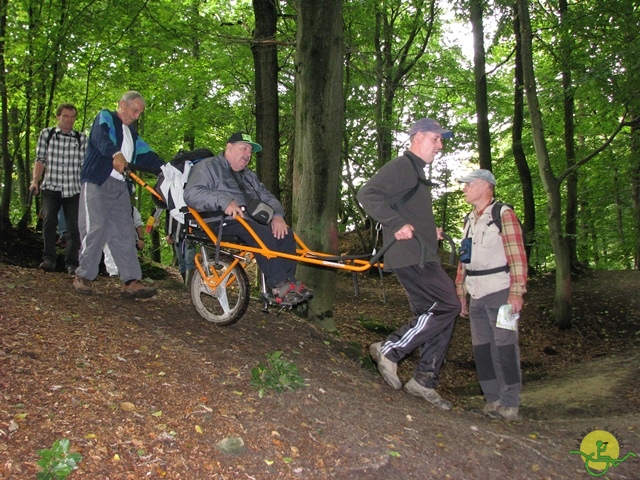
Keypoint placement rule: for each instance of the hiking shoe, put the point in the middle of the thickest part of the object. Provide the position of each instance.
(429, 394)
(71, 269)
(62, 241)
(137, 289)
(287, 293)
(386, 367)
(491, 409)
(48, 266)
(303, 290)
(82, 286)
(508, 414)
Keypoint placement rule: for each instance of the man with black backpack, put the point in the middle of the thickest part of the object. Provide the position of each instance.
(399, 197)
(59, 156)
(494, 273)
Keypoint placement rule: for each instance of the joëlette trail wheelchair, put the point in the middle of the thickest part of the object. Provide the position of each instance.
(220, 289)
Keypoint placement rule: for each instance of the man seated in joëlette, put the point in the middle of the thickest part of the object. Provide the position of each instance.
(225, 184)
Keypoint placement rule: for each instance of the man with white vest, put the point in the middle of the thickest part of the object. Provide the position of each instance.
(494, 275)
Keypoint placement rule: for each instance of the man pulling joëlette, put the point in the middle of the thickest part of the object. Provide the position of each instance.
(105, 203)
(399, 197)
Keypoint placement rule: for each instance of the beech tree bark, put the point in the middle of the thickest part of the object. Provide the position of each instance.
(265, 60)
(319, 119)
(480, 75)
(562, 306)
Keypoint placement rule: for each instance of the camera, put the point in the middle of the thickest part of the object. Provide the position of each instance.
(464, 252)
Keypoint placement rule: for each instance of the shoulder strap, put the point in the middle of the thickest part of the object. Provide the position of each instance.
(405, 198)
(52, 132)
(496, 212)
(248, 195)
(240, 184)
(466, 227)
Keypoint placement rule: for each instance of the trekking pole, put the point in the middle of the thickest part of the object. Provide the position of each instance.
(26, 218)
(153, 220)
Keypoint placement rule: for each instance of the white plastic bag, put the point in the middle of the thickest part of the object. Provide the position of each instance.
(506, 319)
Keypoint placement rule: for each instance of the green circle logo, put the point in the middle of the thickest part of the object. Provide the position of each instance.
(600, 450)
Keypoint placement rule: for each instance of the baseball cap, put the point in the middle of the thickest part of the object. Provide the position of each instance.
(245, 138)
(429, 125)
(480, 174)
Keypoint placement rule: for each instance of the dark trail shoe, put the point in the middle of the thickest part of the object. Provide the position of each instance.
(137, 289)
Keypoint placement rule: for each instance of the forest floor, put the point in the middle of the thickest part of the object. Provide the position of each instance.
(148, 389)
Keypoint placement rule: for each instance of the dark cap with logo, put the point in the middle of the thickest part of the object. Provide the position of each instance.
(429, 125)
(245, 138)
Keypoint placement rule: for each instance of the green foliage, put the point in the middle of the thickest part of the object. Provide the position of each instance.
(192, 60)
(56, 462)
(277, 375)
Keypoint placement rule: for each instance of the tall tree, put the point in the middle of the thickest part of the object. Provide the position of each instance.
(4, 122)
(562, 306)
(519, 155)
(566, 49)
(476, 9)
(265, 60)
(319, 123)
(396, 56)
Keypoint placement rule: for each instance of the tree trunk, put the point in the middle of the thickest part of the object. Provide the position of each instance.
(519, 156)
(319, 119)
(635, 192)
(571, 225)
(562, 299)
(394, 61)
(265, 60)
(480, 74)
(7, 166)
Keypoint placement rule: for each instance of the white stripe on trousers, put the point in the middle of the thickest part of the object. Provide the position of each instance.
(409, 335)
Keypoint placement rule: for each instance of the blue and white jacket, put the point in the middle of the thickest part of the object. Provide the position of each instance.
(105, 139)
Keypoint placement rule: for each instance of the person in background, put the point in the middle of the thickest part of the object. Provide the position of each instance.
(109, 263)
(495, 275)
(60, 155)
(184, 251)
(62, 230)
(105, 206)
(212, 188)
(399, 197)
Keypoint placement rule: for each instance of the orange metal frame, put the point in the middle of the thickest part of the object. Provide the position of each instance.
(303, 253)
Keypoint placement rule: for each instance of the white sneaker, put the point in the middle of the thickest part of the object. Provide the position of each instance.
(429, 394)
(385, 366)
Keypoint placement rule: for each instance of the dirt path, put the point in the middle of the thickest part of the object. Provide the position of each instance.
(594, 389)
(69, 365)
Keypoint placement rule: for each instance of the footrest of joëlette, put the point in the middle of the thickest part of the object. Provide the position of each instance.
(270, 300)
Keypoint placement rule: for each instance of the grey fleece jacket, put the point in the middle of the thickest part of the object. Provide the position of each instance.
(211, 187)
(386, 188)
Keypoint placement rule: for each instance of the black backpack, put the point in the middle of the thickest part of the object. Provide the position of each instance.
(52, 132)
(496, 219)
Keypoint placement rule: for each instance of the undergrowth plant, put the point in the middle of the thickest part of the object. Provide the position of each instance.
(277, 375)
(56, 462)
